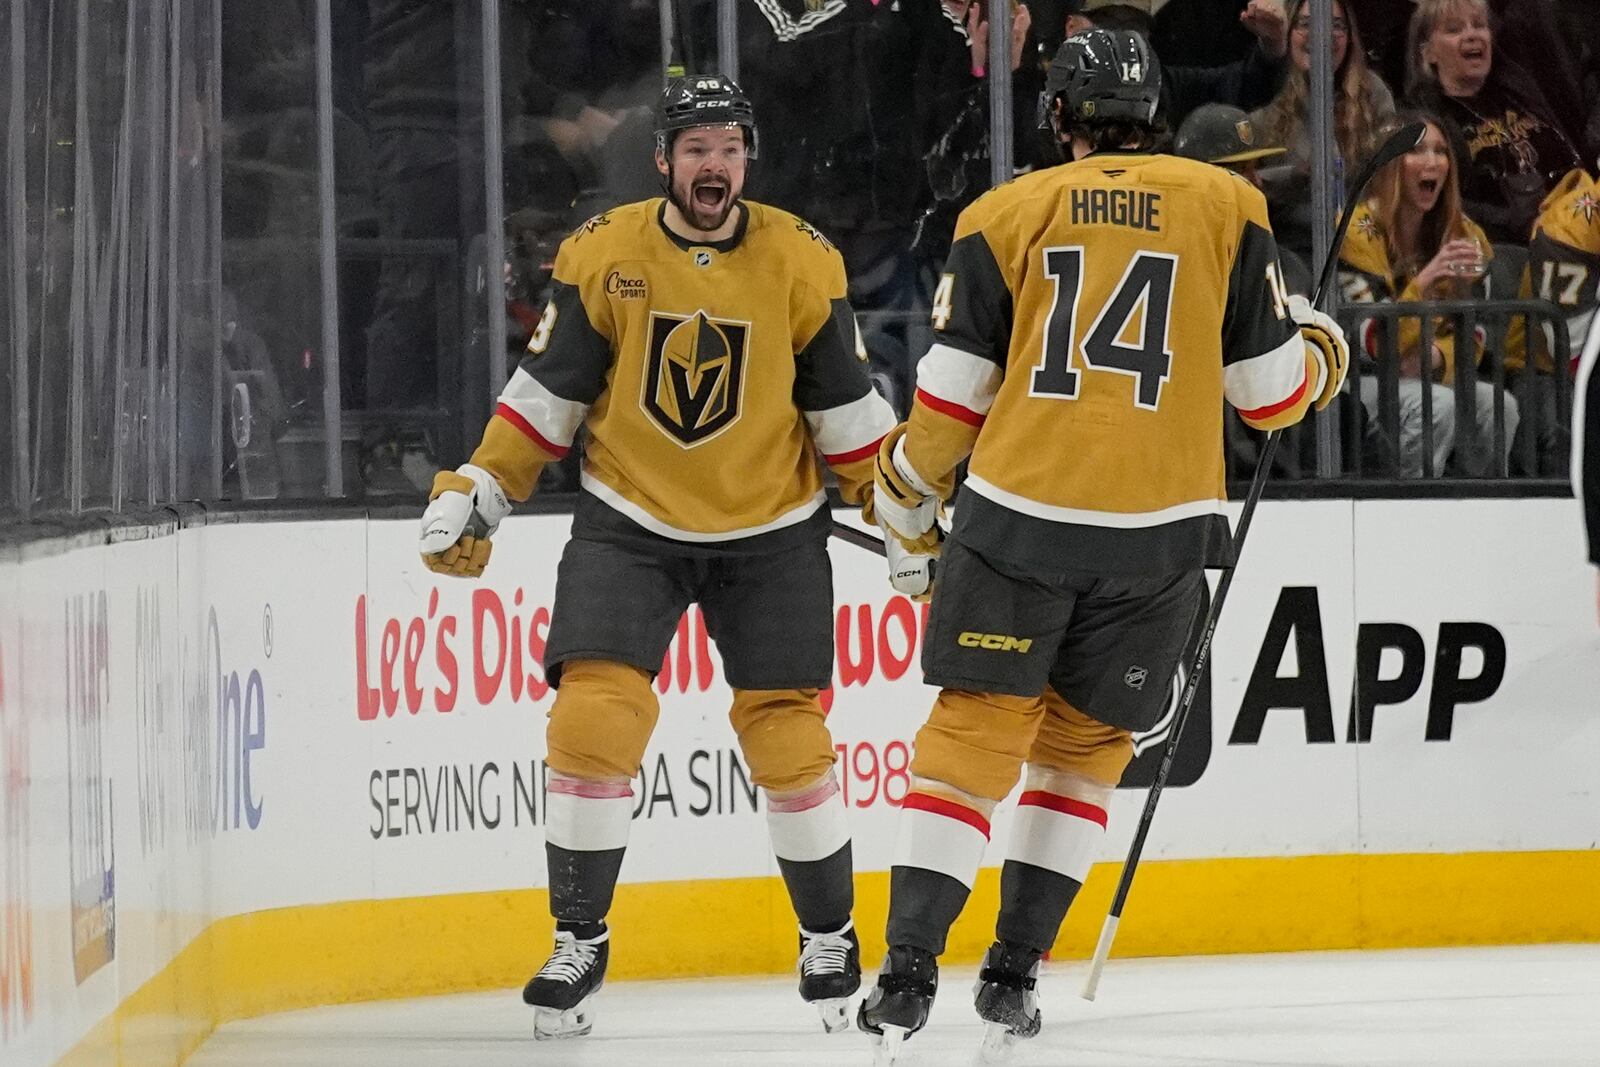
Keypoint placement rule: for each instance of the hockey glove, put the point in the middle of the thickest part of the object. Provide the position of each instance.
(911, 573)
(908, 515)
(466, 507)
(902, 502)
(1325, 339)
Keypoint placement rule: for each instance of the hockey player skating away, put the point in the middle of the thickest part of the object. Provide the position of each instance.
(706, 344)
(1091, 320)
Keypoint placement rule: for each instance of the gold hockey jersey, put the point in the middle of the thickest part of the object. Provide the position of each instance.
(1367, 277)
(1091, 320)
(1563, 268)
(709, 378)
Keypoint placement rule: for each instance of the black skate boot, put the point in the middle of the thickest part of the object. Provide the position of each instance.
(1006, 999)
(830, 970)
(898, 1005)
(563, 991)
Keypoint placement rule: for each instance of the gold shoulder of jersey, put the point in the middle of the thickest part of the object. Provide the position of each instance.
(1003, 199)
(596, 241)
(786, 229)
(1231, 185)
(1365, 247)
(1571, 213)
(618, 223)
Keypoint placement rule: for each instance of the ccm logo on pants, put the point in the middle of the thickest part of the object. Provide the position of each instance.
(994, 642)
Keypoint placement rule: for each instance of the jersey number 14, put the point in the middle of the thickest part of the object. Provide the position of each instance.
(1114, 341)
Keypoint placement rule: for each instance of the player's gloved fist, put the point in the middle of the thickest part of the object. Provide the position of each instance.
(904, 505)
(1325, 338)
(912, 572)
(465, 509)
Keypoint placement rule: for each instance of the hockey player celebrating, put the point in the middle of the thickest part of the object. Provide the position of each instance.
(706, 345)
(1091, 320)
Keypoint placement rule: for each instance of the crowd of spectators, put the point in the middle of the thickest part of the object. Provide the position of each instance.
(874, 118)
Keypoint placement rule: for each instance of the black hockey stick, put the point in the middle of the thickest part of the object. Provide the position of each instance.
(860, 538)
(1398, 144)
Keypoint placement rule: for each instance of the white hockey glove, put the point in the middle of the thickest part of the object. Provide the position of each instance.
(466, 507)
(903, 503)
(910, 573)
(1325, 339)
(907, 511)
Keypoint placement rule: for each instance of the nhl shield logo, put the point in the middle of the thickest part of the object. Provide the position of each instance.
(1135, 678)
(694, 375)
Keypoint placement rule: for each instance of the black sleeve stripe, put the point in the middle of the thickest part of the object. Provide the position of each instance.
(576, 357)
(980, 308)
(827, 370)
(1251, 323)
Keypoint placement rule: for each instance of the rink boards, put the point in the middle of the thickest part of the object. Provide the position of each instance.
(251, 766)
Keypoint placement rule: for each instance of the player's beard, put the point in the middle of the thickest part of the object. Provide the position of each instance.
(699, 209)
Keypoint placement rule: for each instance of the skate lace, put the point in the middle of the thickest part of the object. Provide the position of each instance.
(570, 961)
(824, 954)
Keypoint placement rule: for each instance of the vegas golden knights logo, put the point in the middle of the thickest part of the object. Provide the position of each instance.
(694, 377)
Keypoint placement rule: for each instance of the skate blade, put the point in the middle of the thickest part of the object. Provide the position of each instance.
(999, 1042)
(888, 1045)
(553, 1024)
(835, 1012)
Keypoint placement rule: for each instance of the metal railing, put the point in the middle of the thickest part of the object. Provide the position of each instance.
(1519, 425)
(1480, 328)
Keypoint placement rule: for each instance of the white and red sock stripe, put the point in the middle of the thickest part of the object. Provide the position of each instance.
(940, 834)
(587, 815)
(809, 825)
(1058, 832)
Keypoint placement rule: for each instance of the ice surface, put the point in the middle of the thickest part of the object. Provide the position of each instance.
(1490, 1007)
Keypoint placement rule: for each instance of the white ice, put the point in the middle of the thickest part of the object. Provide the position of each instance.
(1464, 1007)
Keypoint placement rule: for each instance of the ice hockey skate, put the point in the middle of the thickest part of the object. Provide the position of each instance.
(1005, 996)
(562, 993)
(898, 1005)
(830, 971)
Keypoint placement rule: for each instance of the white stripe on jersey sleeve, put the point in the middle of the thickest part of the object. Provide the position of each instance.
(851, 431)
(959, 377)
(1267, 380)
(554, 419)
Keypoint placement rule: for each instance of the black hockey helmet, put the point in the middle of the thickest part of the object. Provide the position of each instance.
(703, 100)
(1104, 76)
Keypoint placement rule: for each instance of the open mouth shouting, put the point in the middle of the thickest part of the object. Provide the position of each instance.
(709, 198)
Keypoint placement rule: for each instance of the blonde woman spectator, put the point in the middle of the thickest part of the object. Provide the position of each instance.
(1362, 105)
(1410, 242)
(1513, 145)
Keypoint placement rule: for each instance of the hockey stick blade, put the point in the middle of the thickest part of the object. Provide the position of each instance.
(860, 538)
(1399, 143)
